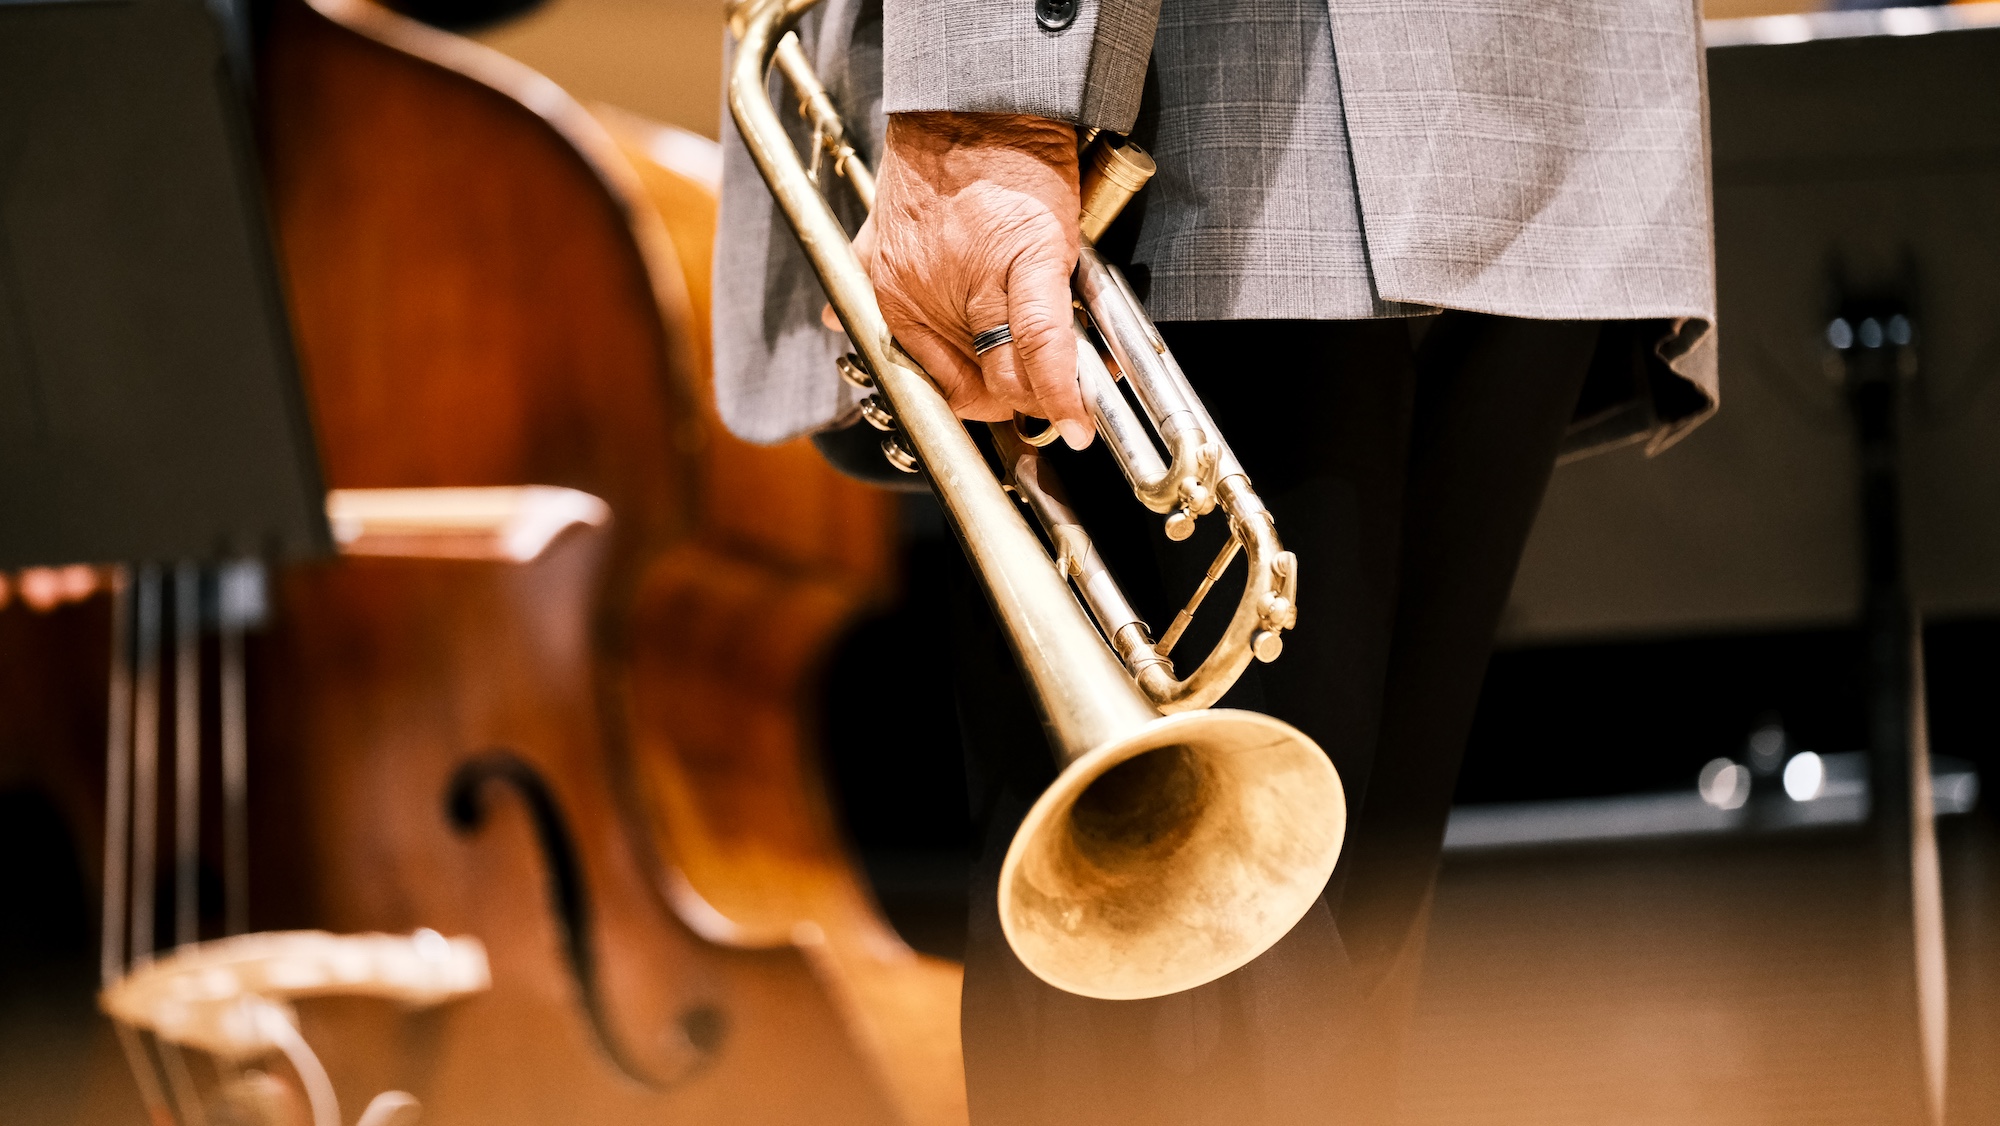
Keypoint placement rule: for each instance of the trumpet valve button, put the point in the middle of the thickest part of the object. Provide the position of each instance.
(1266, 645)
(877, 413)
(897, 456)
(1180, 526)
(853, 373)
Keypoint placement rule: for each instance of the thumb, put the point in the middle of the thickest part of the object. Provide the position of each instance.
(864, 249)
(864, 245)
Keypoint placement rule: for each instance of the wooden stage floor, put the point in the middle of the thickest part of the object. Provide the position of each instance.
(1714, 982)
(1719, 982)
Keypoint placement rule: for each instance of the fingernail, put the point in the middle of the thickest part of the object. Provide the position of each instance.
(1075, 434)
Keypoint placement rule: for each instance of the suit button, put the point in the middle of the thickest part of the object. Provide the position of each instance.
(1054, 15)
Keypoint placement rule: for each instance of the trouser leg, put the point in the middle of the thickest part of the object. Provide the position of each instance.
(1494, 394)
(1493, 397)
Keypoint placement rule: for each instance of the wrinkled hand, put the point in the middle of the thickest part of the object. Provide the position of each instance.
(975, 225)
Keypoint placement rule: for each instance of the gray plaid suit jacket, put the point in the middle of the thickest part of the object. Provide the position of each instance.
(1318, 159)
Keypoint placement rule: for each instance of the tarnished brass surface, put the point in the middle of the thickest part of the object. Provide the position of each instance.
(1173, 848)
(1166, 858)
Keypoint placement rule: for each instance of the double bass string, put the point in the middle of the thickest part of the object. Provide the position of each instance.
(145, 764)
(130, 819)
(187, 754)
(117, 782)
(140, 630)
(239, 603)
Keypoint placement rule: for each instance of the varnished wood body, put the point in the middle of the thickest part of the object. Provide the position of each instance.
(495, 648)
(480, 299)
(734, 627)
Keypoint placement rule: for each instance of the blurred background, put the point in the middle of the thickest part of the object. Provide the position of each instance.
(1670, 893)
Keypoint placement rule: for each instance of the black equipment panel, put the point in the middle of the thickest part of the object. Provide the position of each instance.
(150, 405)
(1852, 167)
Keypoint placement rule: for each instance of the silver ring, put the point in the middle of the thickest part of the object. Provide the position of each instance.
(992, 338)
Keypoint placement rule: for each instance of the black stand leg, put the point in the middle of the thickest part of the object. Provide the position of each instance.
(1874, 341)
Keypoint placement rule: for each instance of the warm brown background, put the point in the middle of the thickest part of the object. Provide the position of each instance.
(659, 58)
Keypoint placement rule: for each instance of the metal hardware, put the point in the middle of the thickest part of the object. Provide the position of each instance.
(1055, 15)
(1040, 438)
(992, 338)
(877, 413)
(853, 374)
(898, 454)
(1113, 174)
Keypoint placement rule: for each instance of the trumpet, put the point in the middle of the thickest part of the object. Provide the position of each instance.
(1179, 841)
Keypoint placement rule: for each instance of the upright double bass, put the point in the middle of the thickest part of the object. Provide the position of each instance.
(489, 291)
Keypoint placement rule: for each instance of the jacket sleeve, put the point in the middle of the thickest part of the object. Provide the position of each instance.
(1014, 56)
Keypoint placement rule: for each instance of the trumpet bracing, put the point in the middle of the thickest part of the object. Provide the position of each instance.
(1179, 841)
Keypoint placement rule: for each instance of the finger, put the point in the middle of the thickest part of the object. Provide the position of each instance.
(957, 376)
(864, 249)
(1039, 314)
(864, 245)
(1001, 370)
(1000, 366)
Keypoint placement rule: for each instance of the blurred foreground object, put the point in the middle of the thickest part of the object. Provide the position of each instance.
(739, 622)
(44, 588)
(515, 523)
(229, 999)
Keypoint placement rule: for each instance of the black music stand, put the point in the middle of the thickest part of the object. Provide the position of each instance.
(1846, 169)
(150, 406)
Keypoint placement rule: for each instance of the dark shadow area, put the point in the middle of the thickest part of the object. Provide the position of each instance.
(890, 733)
(1553, 722)
(48, 974)
(1596, 720)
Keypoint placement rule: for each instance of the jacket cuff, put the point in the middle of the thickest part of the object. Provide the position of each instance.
(1018, 56)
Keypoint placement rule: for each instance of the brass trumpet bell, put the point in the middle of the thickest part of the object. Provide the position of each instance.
(1167, 858)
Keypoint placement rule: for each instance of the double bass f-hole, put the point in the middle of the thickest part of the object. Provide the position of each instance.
(702, 1027)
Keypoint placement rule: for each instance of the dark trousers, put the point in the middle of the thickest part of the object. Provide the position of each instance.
(1404, 463)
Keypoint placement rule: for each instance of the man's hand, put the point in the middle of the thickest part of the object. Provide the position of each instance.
(975, 226)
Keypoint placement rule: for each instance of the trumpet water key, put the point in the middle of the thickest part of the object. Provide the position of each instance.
(1179, 840)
